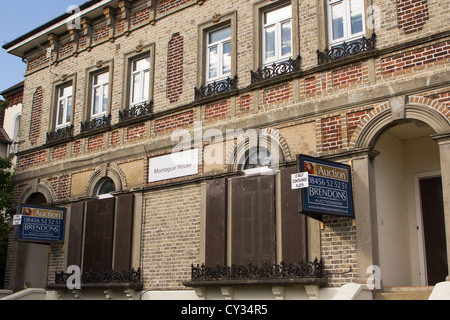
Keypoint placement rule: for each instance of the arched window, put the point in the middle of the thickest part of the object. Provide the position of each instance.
(104, 188)
(258, 158)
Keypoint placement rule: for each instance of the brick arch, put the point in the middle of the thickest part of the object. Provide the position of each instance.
(44, 187)
(423, 109)
(241, 145)
(113, 172)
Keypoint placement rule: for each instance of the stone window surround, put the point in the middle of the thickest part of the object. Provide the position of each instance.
(258, 10)
(217, 22)
(323, 25)
(64, 81)
(100, 67)
(138, 52)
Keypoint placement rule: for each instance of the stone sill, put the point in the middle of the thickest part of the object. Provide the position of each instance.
(272, 282)
(105, 286)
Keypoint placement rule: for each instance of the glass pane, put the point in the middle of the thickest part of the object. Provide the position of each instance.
(286, 38)
(337, 16)
(96, 101)
(146, 85)
(269, 50)
(60, 112)
(278, 15)
(261, 158)
(105, 98)
(107, 187)
(68, 109)
(357, 12)
(213, 62)
(68, 91)
(226, 68)
(136, 88)
(142, 64)
(101, 78)
(219, 35)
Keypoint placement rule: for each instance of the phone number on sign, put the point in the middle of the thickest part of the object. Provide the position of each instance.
(328, 183)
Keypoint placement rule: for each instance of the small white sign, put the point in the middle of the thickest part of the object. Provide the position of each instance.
(299, 180)
(17, 220)
(174, 165)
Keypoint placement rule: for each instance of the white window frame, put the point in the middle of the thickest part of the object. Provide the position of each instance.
(103, 86)
(220, 54)
(141, 73)
(347, 23)
(278, 55)
(64, 99)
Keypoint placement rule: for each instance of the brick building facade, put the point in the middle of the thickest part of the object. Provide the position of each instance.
(366, 86)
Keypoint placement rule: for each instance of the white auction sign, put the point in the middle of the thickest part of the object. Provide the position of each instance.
(299, 180)
(174, 165)
(17, 220)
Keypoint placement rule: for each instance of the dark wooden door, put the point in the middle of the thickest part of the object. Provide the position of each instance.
(434, 229)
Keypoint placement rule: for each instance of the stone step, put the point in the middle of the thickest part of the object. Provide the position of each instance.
(404, 293)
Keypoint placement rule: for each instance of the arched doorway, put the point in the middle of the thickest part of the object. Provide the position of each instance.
(34, 256)
(409, 206)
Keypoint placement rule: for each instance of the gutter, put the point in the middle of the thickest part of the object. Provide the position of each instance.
(54, 24)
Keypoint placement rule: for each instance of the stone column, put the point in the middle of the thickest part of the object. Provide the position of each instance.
(365, 212)
(443, 141)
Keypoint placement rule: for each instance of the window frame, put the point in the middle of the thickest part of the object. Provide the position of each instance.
(65, 99)
(346, 23)
(220, 54)
(102, 87)
(129, 58)
(278, 35)
(99, 68)
(70, 80)
(141, 73)
(204, 29)
(258, 11)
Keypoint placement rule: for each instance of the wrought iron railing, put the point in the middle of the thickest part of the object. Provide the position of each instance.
(136, 111)
(95, 123)
(66, 132)
(99, 278)
(346, 49)
(216, 87)
(283, 271)
(276, 69)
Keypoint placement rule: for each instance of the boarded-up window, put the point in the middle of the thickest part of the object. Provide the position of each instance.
(101, 231)
(293, 223)
(75, 243)
(98, 240)
(216, 220)
(124, 233)
(253, 220)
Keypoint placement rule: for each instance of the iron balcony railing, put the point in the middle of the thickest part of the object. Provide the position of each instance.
(346, 49)
(136, 111)
(276, 69)
(282, 271)
(216, 88)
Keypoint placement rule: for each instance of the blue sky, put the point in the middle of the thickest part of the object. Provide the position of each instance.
(19, 17)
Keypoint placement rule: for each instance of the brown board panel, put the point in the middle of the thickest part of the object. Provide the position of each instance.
(98, 244)
(216, 222)
(124, 233)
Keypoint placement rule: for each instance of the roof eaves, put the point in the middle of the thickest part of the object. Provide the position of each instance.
(47, 25)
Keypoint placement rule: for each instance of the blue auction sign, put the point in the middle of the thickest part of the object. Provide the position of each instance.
(330, 187)
(41, 225)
